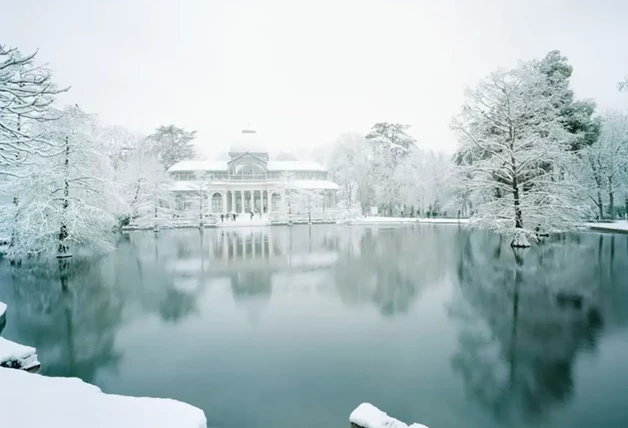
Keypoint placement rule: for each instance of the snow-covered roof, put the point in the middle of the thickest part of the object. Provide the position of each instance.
(191, 186)
(199, 166)
(192, 166)
(313, 184)
(295, 166)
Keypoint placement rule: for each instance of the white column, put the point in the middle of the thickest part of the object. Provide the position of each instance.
(261, 201)
(224, 202)
(241, 201)
(233, 201)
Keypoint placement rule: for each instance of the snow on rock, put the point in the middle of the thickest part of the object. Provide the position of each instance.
(3, 309)
(30, 400)
(16, 356)
(368, 416)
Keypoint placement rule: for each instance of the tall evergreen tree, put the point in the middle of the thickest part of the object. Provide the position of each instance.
(578, 116)
(173, 144)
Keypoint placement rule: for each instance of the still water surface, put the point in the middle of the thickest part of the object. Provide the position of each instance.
(294, 327)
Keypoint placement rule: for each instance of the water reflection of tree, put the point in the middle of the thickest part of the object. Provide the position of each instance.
(389, 267)
(72, 311)
(524, 319)
(68, 315)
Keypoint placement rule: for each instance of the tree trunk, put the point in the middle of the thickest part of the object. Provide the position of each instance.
(517, 205)
(520, 240)
(16, 200)
(626, 206)
(611, 198)
(600, 204)
(63, 232)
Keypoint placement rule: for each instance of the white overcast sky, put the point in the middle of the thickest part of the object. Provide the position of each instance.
(302, 72)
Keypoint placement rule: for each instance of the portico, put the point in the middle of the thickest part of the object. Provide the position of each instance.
(243, 201)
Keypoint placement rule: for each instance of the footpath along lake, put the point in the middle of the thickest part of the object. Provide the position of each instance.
(289, 327)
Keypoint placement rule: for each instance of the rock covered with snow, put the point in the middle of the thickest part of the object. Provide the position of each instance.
(368, 416)
(16, 356)
(30, 400)
(3, 311)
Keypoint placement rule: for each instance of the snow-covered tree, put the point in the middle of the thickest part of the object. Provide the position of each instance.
(65, 201)
(577, 116)
(121, 144)
(173, 144)
(515, 148)
(422, 178)
(304, 202)
(390, 145)
(146, 187)
(607, 161)
(349, 165)
(26, 95)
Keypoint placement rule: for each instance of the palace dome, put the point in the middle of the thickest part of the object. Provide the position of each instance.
(248, 141)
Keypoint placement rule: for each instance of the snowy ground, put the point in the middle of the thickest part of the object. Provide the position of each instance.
(30, 400)
(616, 226)
(16, 356)
(404, 220)
(368, 416)
(244, 220)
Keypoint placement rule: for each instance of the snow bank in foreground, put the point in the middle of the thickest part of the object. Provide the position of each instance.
(368, 416)
(30, 400)
(16, 356)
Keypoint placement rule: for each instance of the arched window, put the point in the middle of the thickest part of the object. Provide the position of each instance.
(217, 202)
(178, 202)
(248, 168)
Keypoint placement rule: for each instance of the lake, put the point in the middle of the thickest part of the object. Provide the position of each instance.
(295, 326)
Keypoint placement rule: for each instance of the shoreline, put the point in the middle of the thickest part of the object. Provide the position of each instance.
(70, 402)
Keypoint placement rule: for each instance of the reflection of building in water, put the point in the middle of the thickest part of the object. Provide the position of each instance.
(249, 261)
(249, 244)
(276, 248)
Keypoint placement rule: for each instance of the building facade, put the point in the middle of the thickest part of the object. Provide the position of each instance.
(249, 182)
